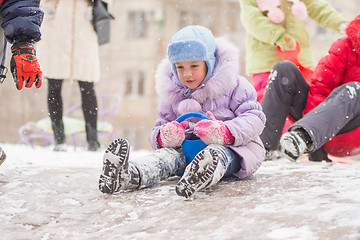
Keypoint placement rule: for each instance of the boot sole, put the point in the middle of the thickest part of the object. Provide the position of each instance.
(199, 174)
(121, 149)
(291, 146)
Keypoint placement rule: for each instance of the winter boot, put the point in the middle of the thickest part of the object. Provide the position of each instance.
(208, 167)
(319, 155)
(92, 138)
(59, 135)
(116, 174)
(199, 173)
(271, 155)
(93, 146)
(2, 156)
(295, 143)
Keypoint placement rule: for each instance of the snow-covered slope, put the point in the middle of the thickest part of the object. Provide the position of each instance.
(54, 195)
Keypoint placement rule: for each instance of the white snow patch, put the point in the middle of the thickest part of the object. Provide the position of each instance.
(54, 195)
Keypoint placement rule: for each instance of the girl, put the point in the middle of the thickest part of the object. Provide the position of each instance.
(200, 75)
(271, 23)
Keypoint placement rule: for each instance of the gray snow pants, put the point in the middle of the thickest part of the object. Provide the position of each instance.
(166, 162)
(286, 93)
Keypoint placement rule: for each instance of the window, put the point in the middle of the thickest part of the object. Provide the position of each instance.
(128, 84)
(134, 84)
(137, 24)
(140, 89)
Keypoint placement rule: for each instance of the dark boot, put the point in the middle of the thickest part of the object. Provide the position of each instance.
(198, 174)
(207, 168)
(319, 155)
(295, 143)
(116, 173)
(2, 156)
(59, 135)
(92, 137)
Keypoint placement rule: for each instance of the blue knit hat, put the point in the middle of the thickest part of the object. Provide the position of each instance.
(193, 43)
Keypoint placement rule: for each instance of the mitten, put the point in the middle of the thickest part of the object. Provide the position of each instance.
(342, 28)
(24, 66)
(274, 13)
(213, 131)
(286, 43)
(172, 134)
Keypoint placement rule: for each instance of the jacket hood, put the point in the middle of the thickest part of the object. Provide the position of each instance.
(353, 32)
(223, 79)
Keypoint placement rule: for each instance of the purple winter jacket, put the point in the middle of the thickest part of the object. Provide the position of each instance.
(230, 97)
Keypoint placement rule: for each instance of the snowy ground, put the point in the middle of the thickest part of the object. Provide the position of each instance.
(49, 195)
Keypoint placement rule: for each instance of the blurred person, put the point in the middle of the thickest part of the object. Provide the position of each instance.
(271, 23)
(279, 23)
(70, 51)
(200, 75)
(20, 21)
(326, 110)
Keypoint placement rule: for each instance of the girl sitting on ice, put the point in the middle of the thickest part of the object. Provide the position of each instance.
(200, 75)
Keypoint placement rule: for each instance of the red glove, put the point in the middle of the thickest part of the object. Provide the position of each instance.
(24, 66)
(213, 131)
(172, 134)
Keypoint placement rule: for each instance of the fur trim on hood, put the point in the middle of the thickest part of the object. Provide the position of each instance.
(353, 32)
(223, 80)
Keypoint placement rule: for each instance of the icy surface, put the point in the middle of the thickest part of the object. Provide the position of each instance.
(54, 195)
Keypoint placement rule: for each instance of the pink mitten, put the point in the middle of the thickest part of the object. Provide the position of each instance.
(213, 131)
(172, 134)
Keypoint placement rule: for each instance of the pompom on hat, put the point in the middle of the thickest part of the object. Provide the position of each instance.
(193, 43)
(275, 14)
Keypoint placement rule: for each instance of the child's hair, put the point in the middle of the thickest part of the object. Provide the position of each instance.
(193, 43)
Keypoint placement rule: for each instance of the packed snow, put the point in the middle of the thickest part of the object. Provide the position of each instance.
(54, 195)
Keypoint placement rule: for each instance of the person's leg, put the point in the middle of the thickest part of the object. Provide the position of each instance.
(207, 168)
(159, 165)
(2, 156)
(55, 109)
(259, 81)
(120, 173)
(89, 107)
(339, 113)
(286, 93)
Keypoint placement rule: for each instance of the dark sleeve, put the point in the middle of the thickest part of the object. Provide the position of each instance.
(21, 20)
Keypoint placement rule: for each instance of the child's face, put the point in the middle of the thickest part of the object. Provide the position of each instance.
(191, 73)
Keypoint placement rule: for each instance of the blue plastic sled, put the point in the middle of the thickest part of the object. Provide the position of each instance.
(192, 147)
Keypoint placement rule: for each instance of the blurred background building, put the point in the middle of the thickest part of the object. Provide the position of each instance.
(139, 37)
